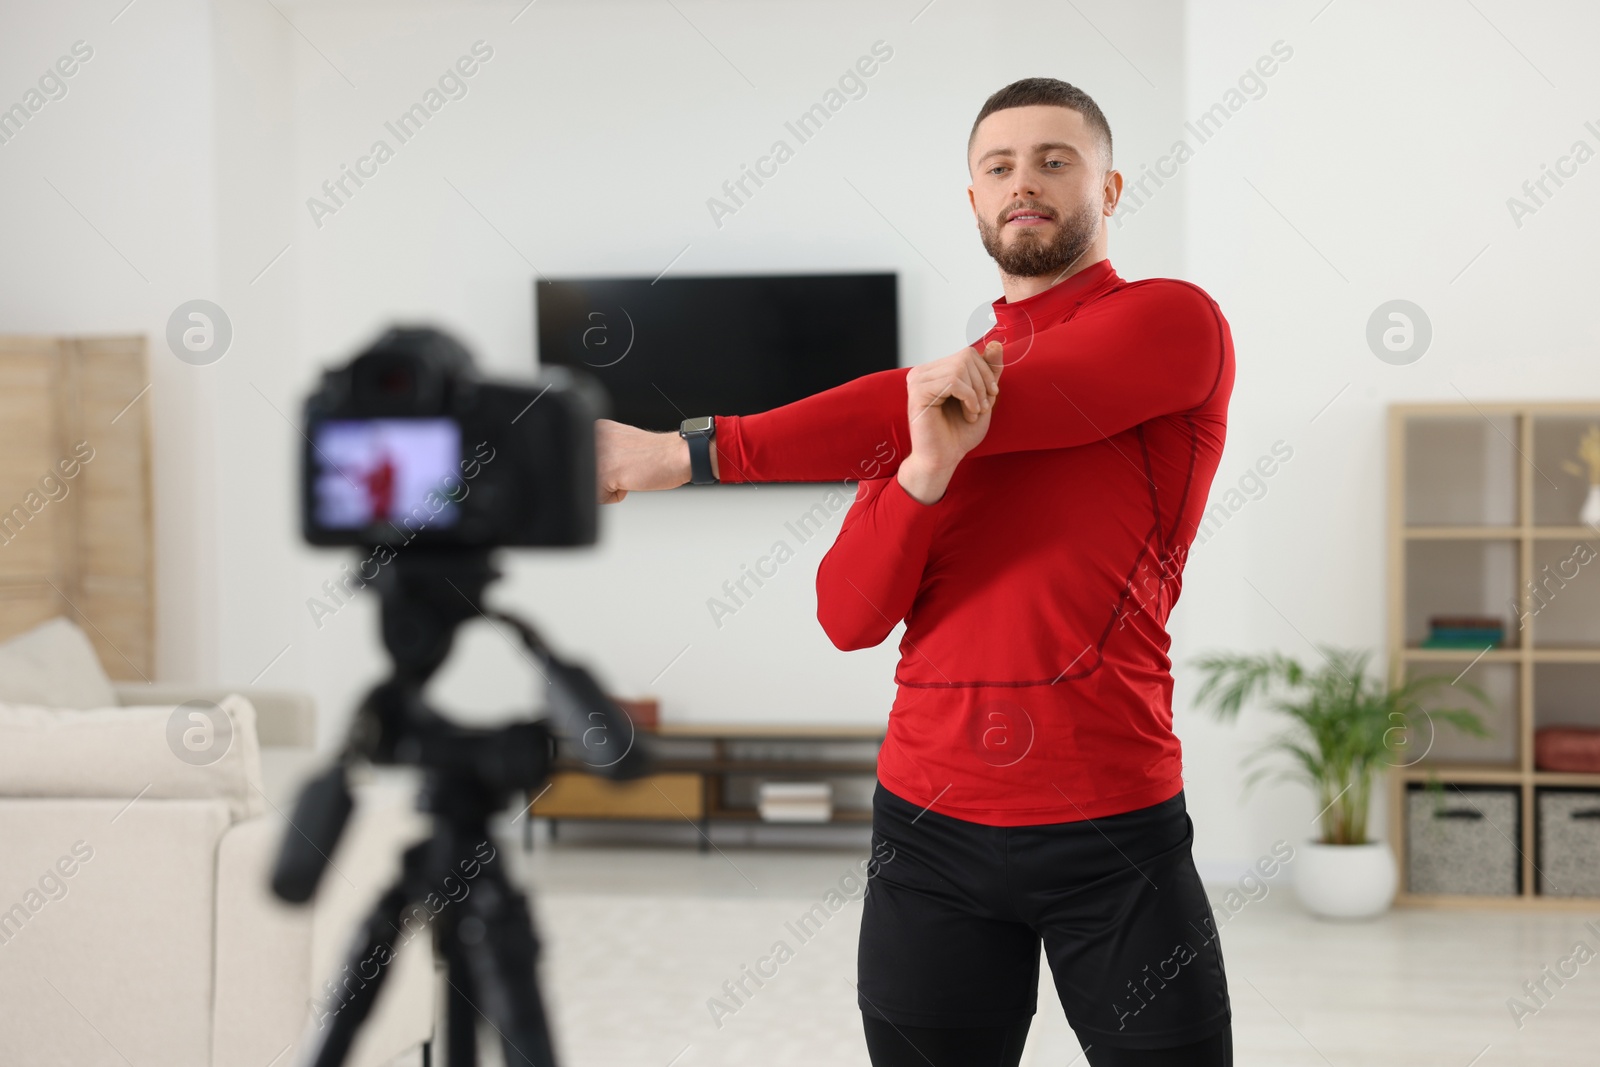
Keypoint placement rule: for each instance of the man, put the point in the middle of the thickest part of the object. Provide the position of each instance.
(1030, 783)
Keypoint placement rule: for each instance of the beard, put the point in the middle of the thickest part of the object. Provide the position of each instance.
(1030, 255)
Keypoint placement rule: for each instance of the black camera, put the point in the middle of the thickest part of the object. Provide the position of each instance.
(405, 446)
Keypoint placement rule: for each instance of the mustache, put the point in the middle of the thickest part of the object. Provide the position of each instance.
(1040, 208)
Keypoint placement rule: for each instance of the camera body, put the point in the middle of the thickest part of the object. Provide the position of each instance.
(406, 447)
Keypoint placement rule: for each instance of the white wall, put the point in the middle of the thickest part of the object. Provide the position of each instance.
(1391, 142)
(128, 233)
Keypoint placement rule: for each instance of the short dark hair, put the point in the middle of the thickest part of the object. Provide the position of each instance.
(1053, 92)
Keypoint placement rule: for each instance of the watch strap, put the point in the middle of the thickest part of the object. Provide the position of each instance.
(700, 439)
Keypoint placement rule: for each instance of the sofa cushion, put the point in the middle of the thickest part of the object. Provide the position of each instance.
(55, 665)
(189, 751)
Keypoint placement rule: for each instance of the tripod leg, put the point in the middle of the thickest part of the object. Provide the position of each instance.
(461, 1016)
(352, 992)
(496, 934)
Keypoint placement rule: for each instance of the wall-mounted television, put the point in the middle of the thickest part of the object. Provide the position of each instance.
(670, 348)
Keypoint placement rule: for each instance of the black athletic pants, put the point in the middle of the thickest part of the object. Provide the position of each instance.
(956, 913)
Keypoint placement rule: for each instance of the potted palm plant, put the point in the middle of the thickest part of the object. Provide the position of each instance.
(1344, 729)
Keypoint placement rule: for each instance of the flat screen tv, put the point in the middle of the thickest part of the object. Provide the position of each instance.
(671, 348)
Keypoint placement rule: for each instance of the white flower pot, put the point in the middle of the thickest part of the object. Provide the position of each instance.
(1590, 515)
(1345, 881)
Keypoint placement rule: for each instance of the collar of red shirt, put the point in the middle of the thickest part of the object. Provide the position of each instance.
(1014, 320)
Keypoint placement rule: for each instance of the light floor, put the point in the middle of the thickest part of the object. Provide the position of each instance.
(637, 939)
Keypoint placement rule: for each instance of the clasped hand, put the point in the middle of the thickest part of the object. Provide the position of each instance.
(948, 403)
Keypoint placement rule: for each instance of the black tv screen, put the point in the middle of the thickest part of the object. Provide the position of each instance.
(672, 348)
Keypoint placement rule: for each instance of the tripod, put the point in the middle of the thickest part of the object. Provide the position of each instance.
(485, 937)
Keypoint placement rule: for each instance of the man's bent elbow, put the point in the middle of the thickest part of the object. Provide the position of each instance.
(852, 634)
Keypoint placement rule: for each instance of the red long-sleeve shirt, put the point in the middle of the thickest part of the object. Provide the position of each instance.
(1033, 683)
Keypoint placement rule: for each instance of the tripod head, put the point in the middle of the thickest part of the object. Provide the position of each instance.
(469, 774)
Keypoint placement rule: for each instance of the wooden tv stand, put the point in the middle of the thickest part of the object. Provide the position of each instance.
(699, 771)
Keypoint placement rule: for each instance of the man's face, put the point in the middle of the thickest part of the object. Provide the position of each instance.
(1040, 188)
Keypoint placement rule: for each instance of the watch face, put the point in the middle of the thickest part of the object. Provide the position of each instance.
(702, 425)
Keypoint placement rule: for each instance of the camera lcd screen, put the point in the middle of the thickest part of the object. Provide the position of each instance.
(373, 471)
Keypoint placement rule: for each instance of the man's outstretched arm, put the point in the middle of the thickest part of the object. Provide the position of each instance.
(851, 437)
(1149, 350)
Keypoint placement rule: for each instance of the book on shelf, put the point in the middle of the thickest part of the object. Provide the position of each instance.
(795, 801)
(1464, 631)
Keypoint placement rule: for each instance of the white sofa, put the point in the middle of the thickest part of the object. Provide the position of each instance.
(135, 921)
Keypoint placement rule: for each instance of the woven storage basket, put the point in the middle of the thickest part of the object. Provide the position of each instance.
(1463, 842)
(1569, 842)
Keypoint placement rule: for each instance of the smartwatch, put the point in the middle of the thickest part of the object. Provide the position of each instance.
(700, 433)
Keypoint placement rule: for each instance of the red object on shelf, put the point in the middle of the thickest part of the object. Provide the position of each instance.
(645, 713)
(1466, 622)
(1567, 748)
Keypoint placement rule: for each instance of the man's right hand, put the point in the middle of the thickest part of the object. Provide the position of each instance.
(949, 402)
(628, 458)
